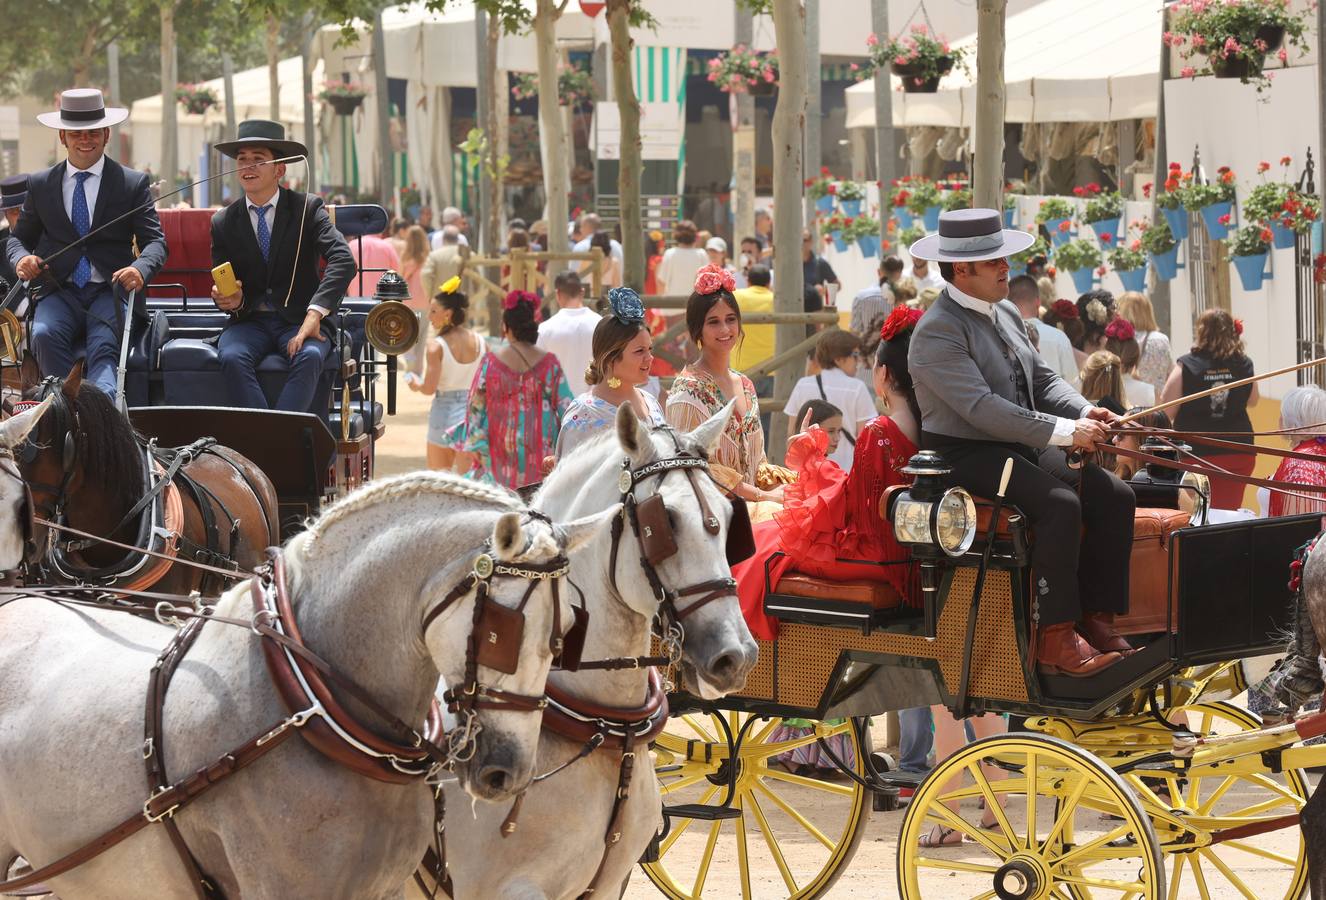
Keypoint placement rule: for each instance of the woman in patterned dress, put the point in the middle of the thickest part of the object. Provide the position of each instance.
(1304, 410)
(1155, 357)
(707, 385)
(517, 402)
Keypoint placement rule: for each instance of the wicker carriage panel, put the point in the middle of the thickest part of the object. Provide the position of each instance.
(795, 669)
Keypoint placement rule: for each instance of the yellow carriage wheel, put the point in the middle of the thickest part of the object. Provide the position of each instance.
(1269, 866)
(1063, 824)
(822, 818)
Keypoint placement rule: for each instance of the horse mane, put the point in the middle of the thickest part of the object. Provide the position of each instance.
(109, 448)
(401, 487)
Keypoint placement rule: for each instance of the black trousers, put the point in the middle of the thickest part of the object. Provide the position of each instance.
(1072, 572)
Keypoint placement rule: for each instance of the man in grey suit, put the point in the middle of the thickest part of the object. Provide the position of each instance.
(985, 396)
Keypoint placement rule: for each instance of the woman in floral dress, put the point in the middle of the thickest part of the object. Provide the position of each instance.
(517, 402)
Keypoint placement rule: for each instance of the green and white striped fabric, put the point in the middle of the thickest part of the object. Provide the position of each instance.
(660, 74)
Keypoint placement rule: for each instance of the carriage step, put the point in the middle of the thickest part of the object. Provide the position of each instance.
(702, 811)
(898, 778)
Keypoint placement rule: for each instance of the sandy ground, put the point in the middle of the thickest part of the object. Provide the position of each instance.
(871, 873)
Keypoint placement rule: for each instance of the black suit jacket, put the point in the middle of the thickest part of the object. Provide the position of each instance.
(290, 285)
(44, 227)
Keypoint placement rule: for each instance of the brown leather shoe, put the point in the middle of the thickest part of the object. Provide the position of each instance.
(1062, 651)
(1098, 630)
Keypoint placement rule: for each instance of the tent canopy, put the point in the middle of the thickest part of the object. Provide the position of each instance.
(251, 97)
(1065, 61)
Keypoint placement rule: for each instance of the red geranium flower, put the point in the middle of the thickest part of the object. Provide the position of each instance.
(1146, 189)
(1171, 184)
(1285, 160)
(1225, 219)
(1078, 191)
(1120, 329)
(1266, 235)
(1238, 326)
(1065, 225)
(1106, 238)
(1064, 309)
(1263, 166)
(901, 320)
(1093, 187)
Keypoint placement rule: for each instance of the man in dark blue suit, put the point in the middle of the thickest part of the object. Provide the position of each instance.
(273, 238)
(78, 313)
(13, 191)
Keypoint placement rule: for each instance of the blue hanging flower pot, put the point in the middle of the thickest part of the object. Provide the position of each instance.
(1252, 270)
(851, 208)
(1083, 279)
(838, 243)
(869, 245)
(825, 204)
(1177, 219)
(1058, 234)
(1008, 218)
(1166, 264)
(931, 218)
(1015, 271)
(1133, 279)
(1212, 214)
(903, 216)
(1104, 227)
(1282, 238)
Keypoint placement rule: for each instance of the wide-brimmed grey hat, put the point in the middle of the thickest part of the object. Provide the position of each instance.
(971, 235)
(261, 133)
(83, 109)
(13, 191)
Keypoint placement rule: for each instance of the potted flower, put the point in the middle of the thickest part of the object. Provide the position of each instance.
(1158, 241)
(1249, 247)
(835, 227)
(898, 197)
(1103, 210)
(865, 231)
(1056, 214)
(1170, 201)
(1018, 262)
(909, 236)
(1080, 257)
(744, 70)
(924, 202)
(575, 86)
(196, 98)
(1010, 206)
(1299, 213)
(343, 96)
(822, 191)
(1128, 259)
(960, 198)
(1233, 38)
(1214, 200)
(850, 197)
(917, 57)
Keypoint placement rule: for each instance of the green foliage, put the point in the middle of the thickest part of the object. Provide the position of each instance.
(911, 235)
(1155, 237)
(924, 194)
(861, 226)
(1127, 257)
(959, 199)
(575, 86)
(1102, 207)
(1038, 248)
(851, 190)
(1220, 34)
(1054, 208)
(1249, 240)
(918, 53)
(1077, 254)
(477, 147)
(1196, 196)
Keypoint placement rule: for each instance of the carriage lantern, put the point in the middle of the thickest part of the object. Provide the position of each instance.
(930, 515)
(391, 326)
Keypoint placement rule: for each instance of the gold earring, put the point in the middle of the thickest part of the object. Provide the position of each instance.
(614, 382)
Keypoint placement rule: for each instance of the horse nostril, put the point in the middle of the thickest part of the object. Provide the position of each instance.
(495, 779)
(723, 668)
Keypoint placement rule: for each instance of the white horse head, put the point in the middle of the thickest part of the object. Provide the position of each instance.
(718, 650)
(13, 497)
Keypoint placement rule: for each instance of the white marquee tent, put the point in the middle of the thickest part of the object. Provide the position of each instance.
(1066, 61)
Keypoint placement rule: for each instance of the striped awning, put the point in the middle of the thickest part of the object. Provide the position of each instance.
(698, 64)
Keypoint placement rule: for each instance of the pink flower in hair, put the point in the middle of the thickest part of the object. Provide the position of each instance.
(511, 300)
(711, 279)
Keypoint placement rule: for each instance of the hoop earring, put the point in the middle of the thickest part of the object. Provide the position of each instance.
(614, 382)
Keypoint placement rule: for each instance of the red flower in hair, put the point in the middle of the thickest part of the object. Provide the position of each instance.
(1238, 327)
(711, 279)
(900, 321)
(1120, 329)
(1064, 309)
(515, 297)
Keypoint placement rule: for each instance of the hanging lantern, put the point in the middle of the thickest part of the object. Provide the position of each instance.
(592, 8)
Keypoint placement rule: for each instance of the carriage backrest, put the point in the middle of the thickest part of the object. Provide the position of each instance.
(188, 250)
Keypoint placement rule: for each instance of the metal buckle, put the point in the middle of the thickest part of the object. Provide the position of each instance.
(147, 806)
(266, 617)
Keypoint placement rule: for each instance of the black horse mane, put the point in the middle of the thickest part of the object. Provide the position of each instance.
(109, 449)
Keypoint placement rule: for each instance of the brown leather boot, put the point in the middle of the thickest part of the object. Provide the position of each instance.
(1098, 630)
(1062, 651)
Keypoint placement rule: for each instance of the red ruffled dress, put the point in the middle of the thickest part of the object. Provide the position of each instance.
(831, 518)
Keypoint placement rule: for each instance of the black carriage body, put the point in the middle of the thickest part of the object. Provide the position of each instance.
(1226, 594)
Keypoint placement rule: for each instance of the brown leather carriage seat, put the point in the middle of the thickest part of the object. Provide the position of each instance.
(875, 594)
(1148, 572)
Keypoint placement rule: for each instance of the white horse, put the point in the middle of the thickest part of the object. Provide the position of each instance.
(14, 523)
(559, 840)
(362, 580)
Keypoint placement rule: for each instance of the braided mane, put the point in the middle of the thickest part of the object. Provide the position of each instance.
(400, 487)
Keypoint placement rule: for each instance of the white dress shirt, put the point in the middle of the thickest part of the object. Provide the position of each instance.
(1063, 428)
(931, 278)
(91, 188)
(568, 334)
(435, 240)
(270, 216)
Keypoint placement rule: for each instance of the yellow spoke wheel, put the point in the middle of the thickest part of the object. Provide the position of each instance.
(1062, 824)
(1268, 866)
(795, 834)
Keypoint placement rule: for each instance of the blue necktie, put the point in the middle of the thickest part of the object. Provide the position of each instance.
(82, 224)
(264, 234)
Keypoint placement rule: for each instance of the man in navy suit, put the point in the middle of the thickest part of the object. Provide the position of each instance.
(78, 313)
(273, 238)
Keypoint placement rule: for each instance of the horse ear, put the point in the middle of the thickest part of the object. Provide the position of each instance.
(73, 381)
(632, 434)
(707, 433)
(508, 539)
(579, 532)
(16, 428)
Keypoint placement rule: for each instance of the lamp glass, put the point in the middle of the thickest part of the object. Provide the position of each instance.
(911, 521)
(955, 522)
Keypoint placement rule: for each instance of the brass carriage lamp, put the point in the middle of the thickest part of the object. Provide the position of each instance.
(930, 515)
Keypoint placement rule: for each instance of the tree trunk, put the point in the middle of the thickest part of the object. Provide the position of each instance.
(113, 84)
(228, 76)
(788, 124)
(169, 132)
(988, 171)
(556, 168)
(814, 111)
(273, 76)
(886, 155)
(81, 64)
(493, 128)
(306, 64)
(631, 165)
(386, 177)
(743, 144)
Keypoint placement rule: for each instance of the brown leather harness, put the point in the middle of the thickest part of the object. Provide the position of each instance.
(303, 680)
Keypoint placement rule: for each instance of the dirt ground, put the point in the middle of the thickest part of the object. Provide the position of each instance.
(871, 873)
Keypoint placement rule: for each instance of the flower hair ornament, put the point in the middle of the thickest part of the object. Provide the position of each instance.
(1238, 327)
(711, 279)
(901, 321)
(1120, 329)
(626, 306)
(1097, 312)
(511, 300)
(1065, 309)
(449, 286)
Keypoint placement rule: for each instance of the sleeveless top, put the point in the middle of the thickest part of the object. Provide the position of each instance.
(1222, 411)
(458, 376)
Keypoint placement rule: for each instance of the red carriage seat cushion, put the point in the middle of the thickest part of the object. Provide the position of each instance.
(189, 250)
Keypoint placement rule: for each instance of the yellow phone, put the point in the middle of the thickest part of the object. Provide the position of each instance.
(223, 276)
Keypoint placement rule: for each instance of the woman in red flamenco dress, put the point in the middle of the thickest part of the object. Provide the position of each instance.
(830, 516)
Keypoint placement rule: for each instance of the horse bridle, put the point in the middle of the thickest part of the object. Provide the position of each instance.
(66, 424)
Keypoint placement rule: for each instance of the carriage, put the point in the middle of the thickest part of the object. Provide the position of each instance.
(1141, 781)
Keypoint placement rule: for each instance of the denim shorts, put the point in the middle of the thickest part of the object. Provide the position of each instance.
(447, 411)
